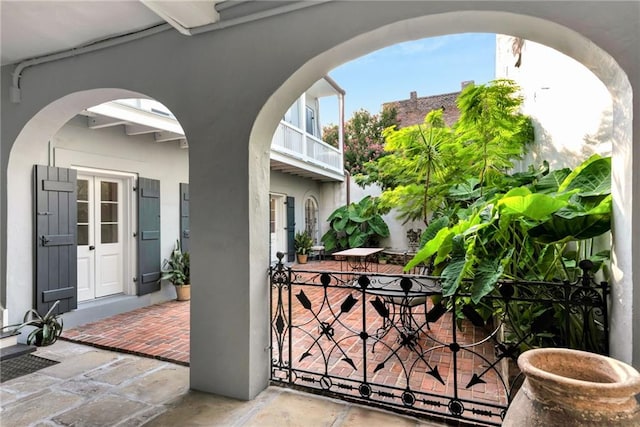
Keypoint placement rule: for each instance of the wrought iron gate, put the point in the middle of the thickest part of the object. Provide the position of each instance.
(392, 341)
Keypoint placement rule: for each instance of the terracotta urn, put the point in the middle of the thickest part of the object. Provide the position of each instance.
(574, 388)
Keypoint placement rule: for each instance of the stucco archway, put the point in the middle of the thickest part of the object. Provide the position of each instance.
(36, 144)
(546, 32)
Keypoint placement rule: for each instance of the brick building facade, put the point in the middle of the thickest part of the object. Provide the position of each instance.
(412, 111)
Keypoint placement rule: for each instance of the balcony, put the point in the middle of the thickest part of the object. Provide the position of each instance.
(297, 152)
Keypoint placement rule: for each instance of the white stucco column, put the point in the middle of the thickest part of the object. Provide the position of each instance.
(229, 188)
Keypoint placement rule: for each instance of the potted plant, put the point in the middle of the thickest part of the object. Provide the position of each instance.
(176, 270)
(47, 328)
(303, 243)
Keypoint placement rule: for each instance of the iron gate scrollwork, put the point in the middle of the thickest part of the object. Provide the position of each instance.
(393, 341)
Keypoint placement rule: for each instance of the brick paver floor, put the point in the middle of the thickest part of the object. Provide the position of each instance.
(160, 331)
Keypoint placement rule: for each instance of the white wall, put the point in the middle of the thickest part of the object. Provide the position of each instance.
(571, 109)
(75, 145)
(229, 93)
(325, 194)
(397, 240)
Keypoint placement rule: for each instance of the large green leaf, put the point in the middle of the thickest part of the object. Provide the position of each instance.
(485, 278)
(551, 182)
(591, 178)
(433, 228)
(562, 229)
(340, 224)
(465, 191)
(454, 271)
(357, 240)
(329, 240)
(430, 248)
(378, 226)
(534, 206)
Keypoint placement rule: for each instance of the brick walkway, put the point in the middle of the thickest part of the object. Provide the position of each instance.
(160, 331)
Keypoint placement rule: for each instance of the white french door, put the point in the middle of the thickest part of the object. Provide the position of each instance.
(100, 236)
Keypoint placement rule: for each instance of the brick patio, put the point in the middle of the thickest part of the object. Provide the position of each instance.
(161, 332)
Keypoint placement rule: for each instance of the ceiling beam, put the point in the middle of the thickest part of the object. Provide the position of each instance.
(137, 129)
(100, 122)
(167, 136)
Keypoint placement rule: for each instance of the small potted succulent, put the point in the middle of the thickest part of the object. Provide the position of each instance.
(47, 328)
(303, 243)
(176, 269)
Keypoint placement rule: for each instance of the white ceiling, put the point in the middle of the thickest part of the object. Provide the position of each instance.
(36, 28)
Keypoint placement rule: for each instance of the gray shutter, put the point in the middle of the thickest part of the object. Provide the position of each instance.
(291, 228)
(149, 258)
(55, 254)
(184, 217)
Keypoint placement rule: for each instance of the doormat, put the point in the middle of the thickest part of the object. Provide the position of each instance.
(22, 365)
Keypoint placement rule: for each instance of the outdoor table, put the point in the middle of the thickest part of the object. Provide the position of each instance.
(359, 259)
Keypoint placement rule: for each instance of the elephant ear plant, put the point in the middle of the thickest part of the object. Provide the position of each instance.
(355, 225)
(47, 328)
(534, 232)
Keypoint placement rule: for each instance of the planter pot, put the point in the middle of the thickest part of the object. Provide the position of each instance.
(302, 258)
(574, 388)
(41, 342)
(183, 292)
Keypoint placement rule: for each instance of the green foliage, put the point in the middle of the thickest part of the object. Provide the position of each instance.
(491, 129)
(355, 225)
(425, 160)
(176, 268)
(363, 138)
(302, 242)
(47, 328)
(521, 234)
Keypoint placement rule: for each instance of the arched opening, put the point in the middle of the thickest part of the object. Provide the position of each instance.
(235, 148)
(120, 161)
(541, 31)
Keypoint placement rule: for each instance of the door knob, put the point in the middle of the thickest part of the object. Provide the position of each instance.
(91, 247)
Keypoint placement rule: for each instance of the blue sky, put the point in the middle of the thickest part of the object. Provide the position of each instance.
(428, 66)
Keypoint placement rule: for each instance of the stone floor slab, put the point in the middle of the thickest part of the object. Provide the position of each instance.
(26, 412)
(124, 369)
(201, 409)
(80, 363)
(159, 386)
(365, 417)
(107, 410)
(297, 410)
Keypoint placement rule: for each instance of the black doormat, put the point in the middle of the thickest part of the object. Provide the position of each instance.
(22, 365)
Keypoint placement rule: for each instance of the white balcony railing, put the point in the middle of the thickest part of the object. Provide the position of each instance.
(295, 143)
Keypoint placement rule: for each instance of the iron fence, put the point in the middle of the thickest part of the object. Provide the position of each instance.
(393, 341)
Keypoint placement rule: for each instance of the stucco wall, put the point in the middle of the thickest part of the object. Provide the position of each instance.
(570, 107)
(397, 240)
(108, 149)
(229, 88)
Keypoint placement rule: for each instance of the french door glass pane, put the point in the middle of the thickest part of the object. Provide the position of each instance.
(83, 212)
(108, 191)
(109, 212)
(109, 233)
(83, 190)
(83, 235)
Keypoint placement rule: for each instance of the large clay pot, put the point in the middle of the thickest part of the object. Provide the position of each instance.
(574, 388)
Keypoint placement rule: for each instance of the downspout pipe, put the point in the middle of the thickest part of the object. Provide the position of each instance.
(15, 94)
